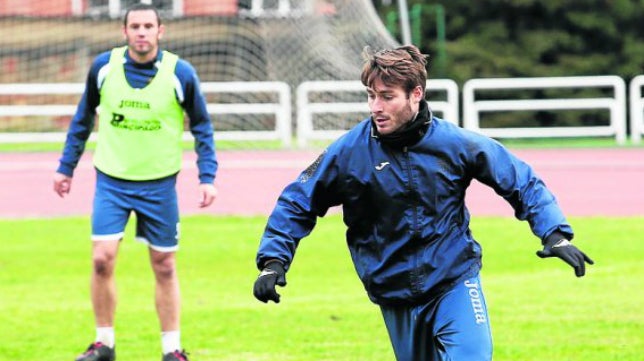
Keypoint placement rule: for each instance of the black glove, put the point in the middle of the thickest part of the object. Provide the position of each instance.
(272, 274)
(557, 245)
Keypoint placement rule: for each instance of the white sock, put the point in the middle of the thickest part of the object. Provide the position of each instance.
(170, 341)
(105, 335)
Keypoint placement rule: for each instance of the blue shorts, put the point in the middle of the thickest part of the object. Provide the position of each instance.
(153, 202)
(453, 326)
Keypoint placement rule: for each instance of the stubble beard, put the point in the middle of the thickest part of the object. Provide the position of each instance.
(405, 114)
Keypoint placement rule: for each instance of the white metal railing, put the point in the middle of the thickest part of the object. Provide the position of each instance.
(27, 110)
(306, 109)
(616, 105)
(280, 109)
(636, 108)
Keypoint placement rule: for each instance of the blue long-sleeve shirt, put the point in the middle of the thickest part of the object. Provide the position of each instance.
(188, 94)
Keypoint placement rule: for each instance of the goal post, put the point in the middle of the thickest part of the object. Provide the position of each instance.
(227, 41)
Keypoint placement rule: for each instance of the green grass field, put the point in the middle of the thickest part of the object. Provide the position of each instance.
(538, 309)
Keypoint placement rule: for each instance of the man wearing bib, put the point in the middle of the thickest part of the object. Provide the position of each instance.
(141, 94)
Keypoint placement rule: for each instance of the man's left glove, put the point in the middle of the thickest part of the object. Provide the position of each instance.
(557, 245)
(272, 274)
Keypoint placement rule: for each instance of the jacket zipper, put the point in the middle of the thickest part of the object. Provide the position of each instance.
(411, 189)
(414, 274)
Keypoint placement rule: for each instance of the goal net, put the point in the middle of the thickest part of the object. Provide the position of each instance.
(287, 41)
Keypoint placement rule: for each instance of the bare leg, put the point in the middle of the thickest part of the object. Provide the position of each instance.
(103, 285)
(167, 294)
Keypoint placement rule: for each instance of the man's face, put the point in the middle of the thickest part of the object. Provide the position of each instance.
(142, 32)
(391, 107)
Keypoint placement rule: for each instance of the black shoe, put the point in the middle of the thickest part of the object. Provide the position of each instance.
(176, 356)
(98, 352)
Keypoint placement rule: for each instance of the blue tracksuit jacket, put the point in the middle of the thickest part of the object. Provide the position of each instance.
(408, 226)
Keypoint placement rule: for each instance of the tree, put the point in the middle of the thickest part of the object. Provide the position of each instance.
(528, 38)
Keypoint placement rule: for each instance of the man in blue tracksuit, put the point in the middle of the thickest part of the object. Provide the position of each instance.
(401, 177)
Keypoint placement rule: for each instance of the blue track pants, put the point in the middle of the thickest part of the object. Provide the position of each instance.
(452, 327)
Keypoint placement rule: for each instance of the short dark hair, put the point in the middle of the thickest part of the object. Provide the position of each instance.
(404, 66)
(139, 7)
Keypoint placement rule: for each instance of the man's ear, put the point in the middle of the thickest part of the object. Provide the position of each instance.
(418, 94)
(161, 31)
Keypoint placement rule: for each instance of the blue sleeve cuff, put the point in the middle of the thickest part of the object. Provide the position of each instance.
(206, 179)
(65, 169)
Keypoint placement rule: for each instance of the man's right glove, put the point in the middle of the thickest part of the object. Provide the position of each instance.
(557, 245)
(272, 274)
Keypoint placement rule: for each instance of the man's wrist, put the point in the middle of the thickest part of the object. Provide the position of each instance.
(273, 261)
(553, 238)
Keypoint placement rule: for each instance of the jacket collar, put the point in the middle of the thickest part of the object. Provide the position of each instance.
(410, 133)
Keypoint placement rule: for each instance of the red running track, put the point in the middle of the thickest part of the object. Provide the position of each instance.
(586, 182)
